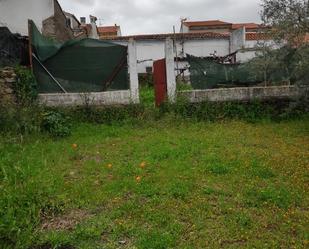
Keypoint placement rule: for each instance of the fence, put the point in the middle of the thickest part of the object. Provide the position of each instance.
(66, 71)
(225, 94)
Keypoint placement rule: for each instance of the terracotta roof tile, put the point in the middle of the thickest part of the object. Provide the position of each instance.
(186, 36)
(246, 25)
(257, 36)
(108, 29)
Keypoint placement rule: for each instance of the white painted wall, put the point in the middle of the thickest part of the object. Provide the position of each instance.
(244, 56)
(205, 47)
(14, 14)
(149, 51)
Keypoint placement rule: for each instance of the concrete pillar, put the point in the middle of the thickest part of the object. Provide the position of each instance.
(94, 32)
(132, 62)
(170, 70)
(238, 39)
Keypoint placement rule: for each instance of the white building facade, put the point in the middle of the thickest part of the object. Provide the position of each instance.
(14, 14)
(152, 47)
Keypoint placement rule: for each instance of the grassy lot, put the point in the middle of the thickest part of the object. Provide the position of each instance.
(162, 184)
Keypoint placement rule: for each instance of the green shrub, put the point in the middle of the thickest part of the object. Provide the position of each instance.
(25, 87)
(23, 115)
(20, 119)
(107, 114)
(56, 124)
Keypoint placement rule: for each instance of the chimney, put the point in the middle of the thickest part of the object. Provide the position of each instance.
(83, 20)
(93, 19)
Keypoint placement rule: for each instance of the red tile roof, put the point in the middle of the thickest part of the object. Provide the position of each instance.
(186, 36)
(209, 23)
(108, 29)
(257, 36)
(246, 25)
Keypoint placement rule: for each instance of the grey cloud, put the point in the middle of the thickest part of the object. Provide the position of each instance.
(159, 16)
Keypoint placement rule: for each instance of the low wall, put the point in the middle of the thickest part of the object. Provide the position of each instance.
(243, 93)
(7, 79)
(78, 99)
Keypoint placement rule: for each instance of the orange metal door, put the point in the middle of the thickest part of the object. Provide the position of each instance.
(159, 78)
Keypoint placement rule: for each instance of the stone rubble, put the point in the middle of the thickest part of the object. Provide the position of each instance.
(7, 80)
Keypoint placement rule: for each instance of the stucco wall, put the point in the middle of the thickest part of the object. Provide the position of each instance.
(205, 47)
(238, 39)
(244, 56)
(149, 51)
(15, 13)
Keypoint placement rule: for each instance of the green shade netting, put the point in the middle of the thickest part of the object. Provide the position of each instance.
(86, 65)
(205, 73)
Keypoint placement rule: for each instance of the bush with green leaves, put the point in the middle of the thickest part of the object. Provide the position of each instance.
(56, 124)
(25, 87)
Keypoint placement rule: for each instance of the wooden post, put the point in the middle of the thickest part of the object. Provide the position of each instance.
(30, 43)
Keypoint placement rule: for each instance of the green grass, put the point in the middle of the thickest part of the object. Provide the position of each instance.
(159, 184)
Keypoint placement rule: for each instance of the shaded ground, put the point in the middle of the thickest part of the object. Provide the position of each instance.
(168, 184)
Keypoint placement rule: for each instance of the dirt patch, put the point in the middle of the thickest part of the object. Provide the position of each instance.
(65, 222)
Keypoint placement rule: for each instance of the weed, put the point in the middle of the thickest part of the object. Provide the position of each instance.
(261, 171)
(25, 87)
(56, 124)
(279, 197)
(218, 169)
(42, 180)
(243, 220)
(212, 191)
(156, 240)
(179, 190)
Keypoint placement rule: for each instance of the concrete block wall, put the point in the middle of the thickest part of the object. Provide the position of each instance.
(80, 99)
(243, 94)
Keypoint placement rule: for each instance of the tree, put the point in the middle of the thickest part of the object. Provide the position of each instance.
(286, 23)
(288, 19)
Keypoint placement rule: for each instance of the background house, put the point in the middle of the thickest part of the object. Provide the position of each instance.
(109, 31)
(213, 38)
(47, 15)
(14, 14)
(151, 47)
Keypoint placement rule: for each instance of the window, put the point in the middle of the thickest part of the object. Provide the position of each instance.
(68, 22)
(148, 69)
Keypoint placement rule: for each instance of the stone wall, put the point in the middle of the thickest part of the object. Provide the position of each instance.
(56, 26)
(244, 93)
(7, 79)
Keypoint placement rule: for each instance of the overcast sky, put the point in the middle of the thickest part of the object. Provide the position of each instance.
(159, 16)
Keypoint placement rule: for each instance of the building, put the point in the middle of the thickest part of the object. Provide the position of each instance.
(90, 29)
(201, 39)
(216, 26)
(75, 25)
(47, 15)
(109, 31)
(152, 47)
(253, 31)
(14, 14)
